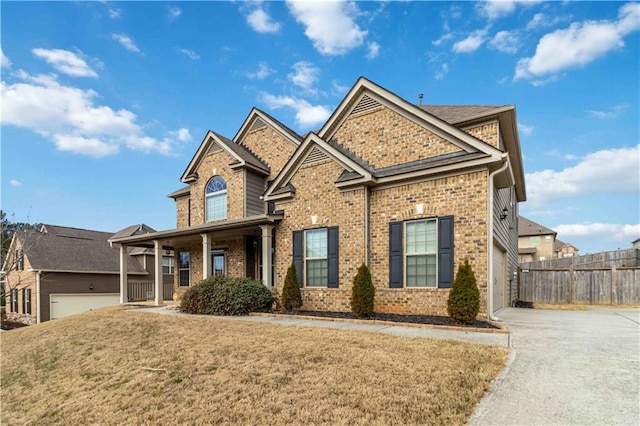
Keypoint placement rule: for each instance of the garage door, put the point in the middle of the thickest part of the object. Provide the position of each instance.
(63, 305)
(498, 278)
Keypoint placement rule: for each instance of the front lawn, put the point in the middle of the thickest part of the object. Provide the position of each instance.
(118, 366)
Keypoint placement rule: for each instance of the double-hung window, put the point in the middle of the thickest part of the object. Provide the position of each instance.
(216, 199)
(20, 260)
(184, 259)
(14, 300)
(316, 257)
(167, 264)
(26, 301)
(421, 253)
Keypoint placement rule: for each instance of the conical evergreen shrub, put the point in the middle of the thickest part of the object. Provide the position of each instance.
(464, 298)
(362, 293)
(291, 297)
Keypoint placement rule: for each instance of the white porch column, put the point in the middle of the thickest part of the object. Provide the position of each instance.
(123, 275)
(266, 255)
(158, 272)
(206, 256)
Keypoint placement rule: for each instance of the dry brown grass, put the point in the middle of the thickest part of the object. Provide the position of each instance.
(560, 306)
(115, 366)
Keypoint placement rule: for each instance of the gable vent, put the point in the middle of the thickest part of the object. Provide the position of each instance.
(365, 104)
(314, 156)
(214, 148)
(257, 124)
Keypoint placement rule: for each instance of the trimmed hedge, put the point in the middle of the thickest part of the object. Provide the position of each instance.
(291, 296)
(362, 293)
(226, 296)
(464, 298)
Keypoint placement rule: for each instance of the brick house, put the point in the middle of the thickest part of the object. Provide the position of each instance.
(57, 271)
(410, 190)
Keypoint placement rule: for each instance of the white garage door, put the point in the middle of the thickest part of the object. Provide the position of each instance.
(63, 305)
(498, 278)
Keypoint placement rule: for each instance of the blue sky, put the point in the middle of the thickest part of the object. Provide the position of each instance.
(104, 103)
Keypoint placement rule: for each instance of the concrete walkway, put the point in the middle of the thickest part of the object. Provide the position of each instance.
(567, 368)
(495, 339)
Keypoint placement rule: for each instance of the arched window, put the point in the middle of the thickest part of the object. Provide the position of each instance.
(216, 199)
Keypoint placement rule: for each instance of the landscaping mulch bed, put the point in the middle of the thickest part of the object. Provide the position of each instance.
(413, 319)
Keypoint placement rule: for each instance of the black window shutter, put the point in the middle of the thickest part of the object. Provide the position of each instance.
(332, 256)
(297, 255)
(395, 255)
(445, 252)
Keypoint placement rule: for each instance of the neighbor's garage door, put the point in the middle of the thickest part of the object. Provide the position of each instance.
(63, 305)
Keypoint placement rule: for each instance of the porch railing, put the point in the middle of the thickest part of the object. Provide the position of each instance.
(145, 290)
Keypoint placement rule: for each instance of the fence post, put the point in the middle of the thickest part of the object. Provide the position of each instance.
(571, 284)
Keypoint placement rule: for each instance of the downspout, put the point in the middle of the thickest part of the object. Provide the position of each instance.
(367, 207)
(38, 307)
(492, 175)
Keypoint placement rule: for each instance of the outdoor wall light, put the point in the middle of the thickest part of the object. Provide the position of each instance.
(91, 287)
(504, 214)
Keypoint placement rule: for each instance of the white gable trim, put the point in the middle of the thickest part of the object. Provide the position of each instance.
(257, 114)
(298, 157)
(202, 151)
(435, 125)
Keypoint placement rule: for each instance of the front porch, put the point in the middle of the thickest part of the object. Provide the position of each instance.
(240, 247)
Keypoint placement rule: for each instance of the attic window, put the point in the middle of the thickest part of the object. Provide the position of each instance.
(257, 124)
(365, 104)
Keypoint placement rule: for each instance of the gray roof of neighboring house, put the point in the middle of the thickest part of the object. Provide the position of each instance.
(528, 227)
(557, 245)
(454, 114)
(60, 248)
(527, 250)
(132, 230)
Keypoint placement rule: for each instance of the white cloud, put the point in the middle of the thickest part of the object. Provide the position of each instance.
(14, 182)
(4, 61)
(307, 115)
(263, 72)
(329, 25)
(190, 53)
(374, 50)
(442, 39)
(598, 230)
(494, 9)
(182, 134)
(505, 41)
(524, 129)
(126, 41)
(66, 62)
(260, 21)
(612, 170)
(304, 75)
(174, 13)
(115, 13)
(578, 45)
(338, 89)
(72, 120)
(471, 43)
(612, 113)
(444, 69)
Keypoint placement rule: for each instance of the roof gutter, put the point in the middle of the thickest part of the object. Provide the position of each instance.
(492, 176)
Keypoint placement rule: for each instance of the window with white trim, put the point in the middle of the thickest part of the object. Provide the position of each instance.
(14, 300)
(26, 301)
(167, 264)
(216, 199)
(184, 259)
(218, 263)
(316, 259)
(19, 260)
(421, 253)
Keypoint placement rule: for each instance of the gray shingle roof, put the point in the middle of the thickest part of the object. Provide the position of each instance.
(528, 227)
(180, 192)
(454, 114)
(244, 153)
(61, 248)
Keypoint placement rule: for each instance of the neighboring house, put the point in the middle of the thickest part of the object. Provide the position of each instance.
(59, 271)
(636, 244)
(409, 190)
(563, 250)
(535, 242)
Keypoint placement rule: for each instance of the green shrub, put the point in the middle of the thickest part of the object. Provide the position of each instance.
(226, 296)
(291, 297)
(464, 298)
(362, 292)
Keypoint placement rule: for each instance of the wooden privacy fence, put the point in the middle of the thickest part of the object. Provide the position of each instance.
(602, 286)
(145, 290)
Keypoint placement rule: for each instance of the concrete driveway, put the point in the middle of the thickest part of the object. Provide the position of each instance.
(567, 367)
